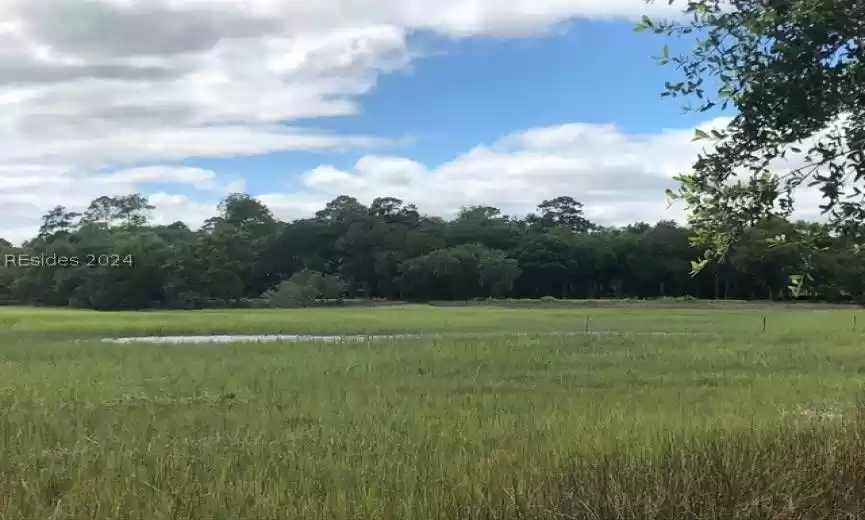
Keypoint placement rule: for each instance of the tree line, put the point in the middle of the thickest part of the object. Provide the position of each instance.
(244, 256)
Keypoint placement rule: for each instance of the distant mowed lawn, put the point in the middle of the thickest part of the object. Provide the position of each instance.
(489, 413)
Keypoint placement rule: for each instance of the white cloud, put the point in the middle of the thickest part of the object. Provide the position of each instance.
(89, 86)
(172, 208)
(23, 200)
(620, 177)
(199, 178)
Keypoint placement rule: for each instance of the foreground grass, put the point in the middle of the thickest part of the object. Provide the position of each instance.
(504, 426)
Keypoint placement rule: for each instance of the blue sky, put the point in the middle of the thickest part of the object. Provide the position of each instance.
(441, 104)
(464, 93)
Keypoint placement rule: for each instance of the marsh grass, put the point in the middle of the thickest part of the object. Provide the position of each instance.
(487, 426)
(813, 472)
(484, 320)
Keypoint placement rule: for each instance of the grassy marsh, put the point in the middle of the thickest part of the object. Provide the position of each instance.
(482, 423)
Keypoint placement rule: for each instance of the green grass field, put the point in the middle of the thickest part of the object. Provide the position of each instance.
(486, 320)
(492, 416)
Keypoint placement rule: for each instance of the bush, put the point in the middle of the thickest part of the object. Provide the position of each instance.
(290, 295)
(304, 288)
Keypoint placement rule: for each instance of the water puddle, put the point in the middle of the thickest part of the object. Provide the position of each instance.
(257, 338)
(269, 338)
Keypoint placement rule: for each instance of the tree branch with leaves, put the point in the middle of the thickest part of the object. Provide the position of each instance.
(793, 72)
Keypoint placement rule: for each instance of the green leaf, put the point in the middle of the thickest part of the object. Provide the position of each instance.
(700, 135)
(696, 267)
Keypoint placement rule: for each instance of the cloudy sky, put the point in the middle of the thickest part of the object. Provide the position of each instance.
(442, 103)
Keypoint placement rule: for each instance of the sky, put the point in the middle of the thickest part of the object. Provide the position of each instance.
(443, 104)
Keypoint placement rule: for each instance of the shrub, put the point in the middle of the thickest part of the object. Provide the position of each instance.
(304, 288)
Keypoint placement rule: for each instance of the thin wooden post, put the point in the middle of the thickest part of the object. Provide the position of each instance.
(764, 323)
(854, 322)
(587, 325)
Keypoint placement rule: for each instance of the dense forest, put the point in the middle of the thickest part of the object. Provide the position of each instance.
(112, 257)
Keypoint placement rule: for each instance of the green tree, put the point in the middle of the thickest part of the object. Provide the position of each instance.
(7, 273)
(484, 225)
(385, 251)
(58, 221)
(393, 210)
(341, 209)
(443, 274)
(561, 211)
(498, 273)
(792, 72)
(543, 261)
(304, 288)
(126, 210)
(243, 212)
(238, 236)
(125, 271)
(764, 265)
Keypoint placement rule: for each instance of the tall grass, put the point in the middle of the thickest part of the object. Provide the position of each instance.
(490, 426)
(815, 472)
(67, 323)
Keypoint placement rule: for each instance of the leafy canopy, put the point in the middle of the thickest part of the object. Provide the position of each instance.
(792, 72)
